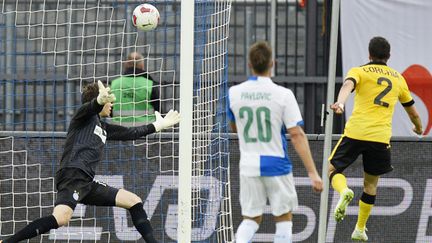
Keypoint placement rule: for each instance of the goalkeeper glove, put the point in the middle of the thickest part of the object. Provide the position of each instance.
(172, 118)
(105, 95)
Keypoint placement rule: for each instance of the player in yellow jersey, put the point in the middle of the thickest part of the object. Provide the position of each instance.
(377, 90)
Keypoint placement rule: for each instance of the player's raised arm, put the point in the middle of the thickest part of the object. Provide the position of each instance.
(339, 106)
(93, 99)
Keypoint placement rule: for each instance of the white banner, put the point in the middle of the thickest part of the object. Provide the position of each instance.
(407, 26)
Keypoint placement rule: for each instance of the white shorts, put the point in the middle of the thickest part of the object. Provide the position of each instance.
(280, 191)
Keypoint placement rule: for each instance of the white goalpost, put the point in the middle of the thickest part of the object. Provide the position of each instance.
(322, 227)
(186, 110)
(203, 63)
(56, 47)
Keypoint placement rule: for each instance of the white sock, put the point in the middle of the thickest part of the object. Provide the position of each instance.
(246, 231)
(283, 232)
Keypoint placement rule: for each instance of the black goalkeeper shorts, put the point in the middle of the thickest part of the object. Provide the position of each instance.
(376, 156)
(75, 186)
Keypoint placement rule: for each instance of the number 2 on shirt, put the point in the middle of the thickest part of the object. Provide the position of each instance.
(264, 130)
(381, 95)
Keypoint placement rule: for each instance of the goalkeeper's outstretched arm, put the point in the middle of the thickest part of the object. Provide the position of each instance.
(116, 132)
(172, 118)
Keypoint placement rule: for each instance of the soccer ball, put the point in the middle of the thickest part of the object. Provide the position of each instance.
(145, 17)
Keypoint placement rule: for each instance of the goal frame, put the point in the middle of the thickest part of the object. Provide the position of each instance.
(187, 22)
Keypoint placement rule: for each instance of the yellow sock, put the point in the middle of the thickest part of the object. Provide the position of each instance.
(363, 215)
(339, 182)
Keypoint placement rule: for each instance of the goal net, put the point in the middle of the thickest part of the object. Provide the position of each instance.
(50, 50)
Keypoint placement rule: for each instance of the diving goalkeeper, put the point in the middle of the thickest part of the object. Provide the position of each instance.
(82, 153)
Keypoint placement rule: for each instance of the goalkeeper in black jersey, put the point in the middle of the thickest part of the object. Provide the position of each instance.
(83, 151)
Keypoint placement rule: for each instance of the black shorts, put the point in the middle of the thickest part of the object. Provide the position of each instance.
(376, 156)
(75, 186)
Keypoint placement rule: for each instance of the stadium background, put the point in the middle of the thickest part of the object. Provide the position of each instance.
(302, 44)
(302, 40)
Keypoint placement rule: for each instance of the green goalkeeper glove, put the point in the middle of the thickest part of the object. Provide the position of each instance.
(105, 95)
(172, 118)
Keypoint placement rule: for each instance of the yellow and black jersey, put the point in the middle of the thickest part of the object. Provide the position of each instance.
(377, 90)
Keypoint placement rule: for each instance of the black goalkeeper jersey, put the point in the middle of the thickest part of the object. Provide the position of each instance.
(87, 135)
